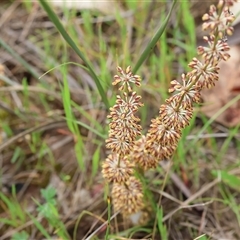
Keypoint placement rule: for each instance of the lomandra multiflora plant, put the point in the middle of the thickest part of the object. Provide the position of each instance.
(130, 150)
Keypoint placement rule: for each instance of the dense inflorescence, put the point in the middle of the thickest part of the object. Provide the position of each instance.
(130, 150)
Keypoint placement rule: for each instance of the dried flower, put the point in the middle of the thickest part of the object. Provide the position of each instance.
(124, 127)
(165, 130)
(117, 169)
(159, 150)
(186, 92)
(175, 115)
(208, 73)
(128, 197)
(141, 156)
(118, 142)
(126, 78)
(161, 133)
(215, 51)
(221, 22)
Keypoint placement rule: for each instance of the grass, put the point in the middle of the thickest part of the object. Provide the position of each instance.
(57, 90)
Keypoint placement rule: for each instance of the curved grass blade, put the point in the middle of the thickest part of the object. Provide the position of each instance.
(154, 40)
(53, 17)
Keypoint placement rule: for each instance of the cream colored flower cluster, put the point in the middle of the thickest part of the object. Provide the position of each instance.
(129, 148)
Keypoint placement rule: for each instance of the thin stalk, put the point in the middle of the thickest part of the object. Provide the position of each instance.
(109, 218)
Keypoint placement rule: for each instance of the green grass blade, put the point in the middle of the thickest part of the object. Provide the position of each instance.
(40, 227)
(103, 136)
(6, 221)
(230, 179)
(154, 40)
(19, 59)
(20, 236)
(53, 17)
(161, 227)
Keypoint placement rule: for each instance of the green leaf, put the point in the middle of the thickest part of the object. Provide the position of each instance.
(20, 236)
(40, 227)
(17, 153)
(154, 40)
(48, 193)
(161, 227)
(231, 180)
(6, 221)
(53, 17)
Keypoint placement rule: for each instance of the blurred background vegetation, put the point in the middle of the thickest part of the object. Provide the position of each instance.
(53, 123)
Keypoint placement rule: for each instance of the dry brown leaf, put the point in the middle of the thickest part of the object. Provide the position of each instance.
(225, 90)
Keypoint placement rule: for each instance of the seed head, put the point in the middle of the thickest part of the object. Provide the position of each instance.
(158, 150)
(221, 23)
(141, 156)
(128, 197)
(173, 115)
(214, 52)
(117, 169)
(206, 72)
(120, 141)
(126, 77)
(186, 92)
(162, 134)
(124, 127)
